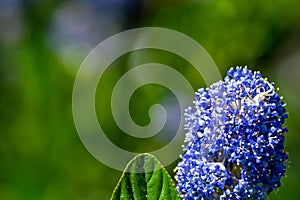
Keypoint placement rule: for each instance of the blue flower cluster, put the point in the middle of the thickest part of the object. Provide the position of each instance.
(234, 140)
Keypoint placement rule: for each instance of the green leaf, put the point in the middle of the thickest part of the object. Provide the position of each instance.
(151, 183)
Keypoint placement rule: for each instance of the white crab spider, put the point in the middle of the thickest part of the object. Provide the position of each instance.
(262, 95)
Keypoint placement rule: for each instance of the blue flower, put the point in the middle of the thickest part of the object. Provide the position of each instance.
(234, 145)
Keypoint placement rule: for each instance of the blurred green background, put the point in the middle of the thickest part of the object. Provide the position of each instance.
(42, 44)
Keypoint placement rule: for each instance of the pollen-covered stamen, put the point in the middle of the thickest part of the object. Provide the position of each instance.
(236, 105)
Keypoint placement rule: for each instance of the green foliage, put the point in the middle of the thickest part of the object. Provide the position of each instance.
(145, 178)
